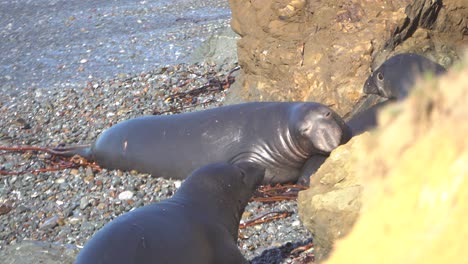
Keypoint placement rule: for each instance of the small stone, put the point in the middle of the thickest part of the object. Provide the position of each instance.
(13, 179)
(271, 229)
(60, 180)
(61, 221)
(5, 209)
(101, 206)
(88, 179)
(74, 220)
(246, 214)
(177, 184)
(89, 172)
(22, 208)
(125, 195)
(50, 223)
(84, 202)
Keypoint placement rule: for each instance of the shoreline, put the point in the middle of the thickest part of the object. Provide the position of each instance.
(68, 43)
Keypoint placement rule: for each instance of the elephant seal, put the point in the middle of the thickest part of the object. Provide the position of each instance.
(199, 224)
(280, 136)
(397, 75)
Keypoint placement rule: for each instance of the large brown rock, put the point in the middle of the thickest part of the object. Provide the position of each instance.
(413, 171)
(293, 50)
(332, 204)
(416, 191)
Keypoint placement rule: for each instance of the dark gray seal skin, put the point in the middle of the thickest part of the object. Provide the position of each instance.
(365, 120)
(397, 75)
(280, 136)
(199, 224)
(361, 122)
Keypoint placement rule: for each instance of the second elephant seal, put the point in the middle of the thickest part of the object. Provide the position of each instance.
(397, 75)
(198, 225)
(279, 136)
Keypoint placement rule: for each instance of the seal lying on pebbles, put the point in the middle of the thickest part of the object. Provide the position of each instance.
(279, 136)
(397, 75)
(199, 224)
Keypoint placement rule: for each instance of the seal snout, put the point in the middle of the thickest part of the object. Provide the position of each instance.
(327, 139)
(330, 131)
(370, 87)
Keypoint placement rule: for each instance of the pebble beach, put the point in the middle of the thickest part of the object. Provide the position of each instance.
(68, 206)
(71, 69)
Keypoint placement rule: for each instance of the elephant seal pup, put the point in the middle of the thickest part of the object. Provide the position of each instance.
(279, 136)
(199, 224)
(397, 75)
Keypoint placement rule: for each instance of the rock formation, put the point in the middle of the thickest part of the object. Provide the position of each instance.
(292, 50)
(413, 171)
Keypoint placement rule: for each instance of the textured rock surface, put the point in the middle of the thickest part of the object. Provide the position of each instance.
(218, 49)
(331, 205)
(322, 50)
(413, 171)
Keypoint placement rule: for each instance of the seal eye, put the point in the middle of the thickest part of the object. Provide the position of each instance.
(305, 130)
(328, 114)
(380, 76)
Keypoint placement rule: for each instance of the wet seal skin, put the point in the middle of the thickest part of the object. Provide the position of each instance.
(198, 225)
(397, 75)
(359, 123)
(280, 136)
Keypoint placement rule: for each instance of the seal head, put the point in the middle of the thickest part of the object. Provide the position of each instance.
(397, 75)
(318, 128)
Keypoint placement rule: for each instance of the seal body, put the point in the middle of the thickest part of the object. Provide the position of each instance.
(365, 120)
(199, 224)
(280, 136)
(397, 75)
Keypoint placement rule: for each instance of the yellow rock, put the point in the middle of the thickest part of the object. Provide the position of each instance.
(415, 206)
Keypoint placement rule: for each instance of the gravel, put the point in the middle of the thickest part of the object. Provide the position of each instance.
(68, 206)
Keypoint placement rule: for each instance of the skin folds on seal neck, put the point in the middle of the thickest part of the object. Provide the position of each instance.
(317, 130)
(227, 187)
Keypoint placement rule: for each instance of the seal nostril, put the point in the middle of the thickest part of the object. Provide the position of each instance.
(328, 114)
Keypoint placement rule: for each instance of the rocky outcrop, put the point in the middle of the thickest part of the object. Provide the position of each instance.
(332, 204)
(218, 49)
(322, 51)
(413, 170)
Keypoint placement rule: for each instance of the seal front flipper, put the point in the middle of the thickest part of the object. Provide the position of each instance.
(80, 150)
